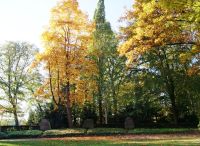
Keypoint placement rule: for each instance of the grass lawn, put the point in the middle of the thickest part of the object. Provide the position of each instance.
(140, 140)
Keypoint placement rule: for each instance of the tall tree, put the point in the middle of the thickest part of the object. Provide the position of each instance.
(66, 45)
(110, 67)
(154, 41)
(16, 75)
(99, 56)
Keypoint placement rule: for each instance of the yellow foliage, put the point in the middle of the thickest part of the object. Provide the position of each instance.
(66, 41)
(151, 26)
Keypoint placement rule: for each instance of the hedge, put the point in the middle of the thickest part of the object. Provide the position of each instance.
(3, 135)
(84, 132)
(63, 132)
(24, 134)
(106, 131)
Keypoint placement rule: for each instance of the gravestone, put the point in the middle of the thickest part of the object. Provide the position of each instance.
(129, 123)
(88, 124)
(45, 125)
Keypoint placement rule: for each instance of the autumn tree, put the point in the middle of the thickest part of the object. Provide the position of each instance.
(66, 43)
(16, 75)
(189, 19)
(155, 41)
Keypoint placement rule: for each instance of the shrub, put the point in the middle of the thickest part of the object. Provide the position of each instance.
(159, 130)
(3, 135)
(105, 131)
(88, 112)
(24, 134)
(63, 132)
(11, 128)
(56, 117)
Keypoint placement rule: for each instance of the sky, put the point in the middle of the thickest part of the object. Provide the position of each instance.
(24, 20)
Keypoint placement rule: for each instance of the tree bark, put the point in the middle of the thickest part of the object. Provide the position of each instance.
(100, 108)
(15, 116)
(170, 85)
(171, 92)
(68, 106)
(100, 88)
(115, 102)
(51, 85)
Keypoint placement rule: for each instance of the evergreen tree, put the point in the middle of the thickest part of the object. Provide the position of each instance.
(107, 63)
(100, 16)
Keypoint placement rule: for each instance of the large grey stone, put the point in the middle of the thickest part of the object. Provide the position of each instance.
(129, 123)
(45, 125)
(88, 124)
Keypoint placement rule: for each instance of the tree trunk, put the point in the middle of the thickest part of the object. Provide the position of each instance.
(100, 89)
(68, 106)
(115, 102)
(174, 110)
(100, 109)
(15, 116)
(170, 85)
(106, 115)
(171, 92)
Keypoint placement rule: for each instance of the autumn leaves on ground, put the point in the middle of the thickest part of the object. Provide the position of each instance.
(149, 72)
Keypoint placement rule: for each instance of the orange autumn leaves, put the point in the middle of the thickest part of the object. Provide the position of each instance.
(152, 26)
(66, 42)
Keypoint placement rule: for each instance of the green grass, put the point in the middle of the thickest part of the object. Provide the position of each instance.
(159, 142)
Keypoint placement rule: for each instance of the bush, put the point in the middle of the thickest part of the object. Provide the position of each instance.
(105, 131)
(189, 120)
(142, 114)
(57, 117)
(159, 130)
(88, 112)
(3, 135)
(24, 134)
(11, 128)
(63, 132)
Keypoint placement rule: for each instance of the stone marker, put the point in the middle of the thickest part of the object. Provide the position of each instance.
(88, 124)
(45, 125)
(129, 123)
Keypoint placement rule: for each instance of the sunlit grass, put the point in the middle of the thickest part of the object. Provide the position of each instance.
(165, 142)
(189, 141)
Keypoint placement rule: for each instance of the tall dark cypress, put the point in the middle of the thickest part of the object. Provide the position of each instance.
(100, 16)
(100, 20)
(104, 42)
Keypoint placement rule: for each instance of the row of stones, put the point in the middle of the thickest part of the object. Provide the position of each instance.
(87, 124)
